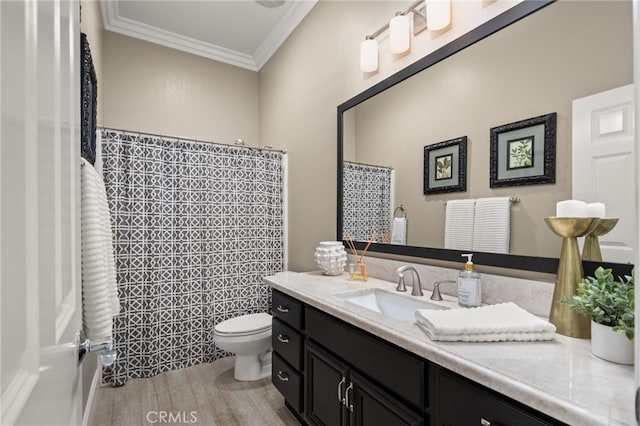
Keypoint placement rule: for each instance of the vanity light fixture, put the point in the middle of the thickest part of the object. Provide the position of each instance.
(438, 16)
(399, 37)
(369, 55)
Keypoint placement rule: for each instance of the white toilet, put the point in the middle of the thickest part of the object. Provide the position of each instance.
(249, 338)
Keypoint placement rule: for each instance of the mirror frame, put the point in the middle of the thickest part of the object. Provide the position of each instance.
(525, 263)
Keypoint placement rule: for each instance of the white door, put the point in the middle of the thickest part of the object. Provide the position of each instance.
(39, 212)
(603, 165)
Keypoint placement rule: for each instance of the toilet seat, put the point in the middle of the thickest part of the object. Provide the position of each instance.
(244, 325)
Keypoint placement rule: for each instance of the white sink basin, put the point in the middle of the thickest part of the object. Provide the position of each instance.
(397, 306)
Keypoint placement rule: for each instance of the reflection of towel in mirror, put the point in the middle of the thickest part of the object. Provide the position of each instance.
(492, 225)
(399, 231)
(99, 289)
(458, 227)
(490, 323)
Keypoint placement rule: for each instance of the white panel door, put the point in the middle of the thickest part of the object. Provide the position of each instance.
(604, 165)
(39, 212)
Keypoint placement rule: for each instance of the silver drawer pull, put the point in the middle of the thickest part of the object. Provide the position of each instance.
(340, 399)
(283, 339)
(281, 308)
(484, 422)
(282, 376)
(347, 401)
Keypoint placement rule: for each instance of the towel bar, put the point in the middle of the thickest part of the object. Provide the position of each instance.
(514, 200)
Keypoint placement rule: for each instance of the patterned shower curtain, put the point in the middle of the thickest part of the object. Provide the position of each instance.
(366, 201)
(196, 228)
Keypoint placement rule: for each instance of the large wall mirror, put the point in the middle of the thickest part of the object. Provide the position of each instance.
(533, 60)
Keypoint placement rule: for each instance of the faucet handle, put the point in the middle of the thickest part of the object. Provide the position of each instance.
(436, 289)
(401, 286)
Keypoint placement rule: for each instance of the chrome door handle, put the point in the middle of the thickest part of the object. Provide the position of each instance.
(282, 338)
(282, 376)
(484, 422)
(340, 400)
(281, 308)
(347, 402)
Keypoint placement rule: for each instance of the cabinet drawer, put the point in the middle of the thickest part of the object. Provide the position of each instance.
(287, 309)
(287, 381)
(389, 366)
(287, 343)
(481, 406)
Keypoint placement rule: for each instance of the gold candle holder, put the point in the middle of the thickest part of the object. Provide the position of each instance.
(591, 249)
(567, 322)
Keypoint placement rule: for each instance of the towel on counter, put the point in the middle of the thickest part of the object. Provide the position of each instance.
(492, 225)
(490, 323)
(100, 301)
(458, 226)
(399, 231)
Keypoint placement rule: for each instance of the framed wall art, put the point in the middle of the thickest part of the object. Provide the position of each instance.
(445, 166)
(524, 152)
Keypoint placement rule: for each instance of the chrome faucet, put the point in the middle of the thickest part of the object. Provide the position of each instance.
(416, 290)
(436, 289)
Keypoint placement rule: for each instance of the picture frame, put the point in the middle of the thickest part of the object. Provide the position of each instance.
(445, 167)
(88, 102)
(523, 152)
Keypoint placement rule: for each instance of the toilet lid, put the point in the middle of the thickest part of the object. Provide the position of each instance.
(245, 324)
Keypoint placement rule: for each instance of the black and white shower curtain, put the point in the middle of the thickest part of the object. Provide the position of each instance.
(197, 226)
(366, 201)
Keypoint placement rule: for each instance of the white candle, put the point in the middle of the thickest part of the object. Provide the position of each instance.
(571, 208)
(596, 210)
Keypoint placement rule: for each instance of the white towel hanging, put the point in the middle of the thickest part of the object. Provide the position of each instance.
(492, 225)
(458, 228)
(399, 231)
(99, 289)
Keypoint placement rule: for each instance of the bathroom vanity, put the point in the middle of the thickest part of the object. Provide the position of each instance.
(337, 362)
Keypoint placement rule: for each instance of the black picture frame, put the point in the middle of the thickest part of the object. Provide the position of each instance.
(445, 167)
(523, 152)
(88, 101)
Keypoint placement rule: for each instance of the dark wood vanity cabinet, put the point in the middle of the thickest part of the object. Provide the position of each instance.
(463, 402)
(287, 340)
(333, 373)
(336, 394)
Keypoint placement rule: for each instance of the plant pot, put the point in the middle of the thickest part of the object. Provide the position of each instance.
(609, 345)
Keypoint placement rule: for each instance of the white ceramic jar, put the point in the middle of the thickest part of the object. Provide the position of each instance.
(331, 257)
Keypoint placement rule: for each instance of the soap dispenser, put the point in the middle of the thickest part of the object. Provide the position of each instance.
(469, 289)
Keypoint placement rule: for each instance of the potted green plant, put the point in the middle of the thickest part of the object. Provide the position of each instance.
(610, 304)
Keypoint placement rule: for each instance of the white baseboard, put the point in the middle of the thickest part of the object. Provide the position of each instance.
(92, 391)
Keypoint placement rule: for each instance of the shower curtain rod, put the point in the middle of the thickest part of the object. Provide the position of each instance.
(369, 165)
(282, 151)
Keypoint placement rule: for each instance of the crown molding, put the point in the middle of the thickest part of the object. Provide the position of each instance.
(114, 22)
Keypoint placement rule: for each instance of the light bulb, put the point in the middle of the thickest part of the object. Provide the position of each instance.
(438, 14)
(399, 36)
(369, 55)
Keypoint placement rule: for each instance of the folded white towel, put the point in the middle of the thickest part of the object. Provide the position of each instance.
(458, 226)
(492, 225)
(99, 289)
(501, 322)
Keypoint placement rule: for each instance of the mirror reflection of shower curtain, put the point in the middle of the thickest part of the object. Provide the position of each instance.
(197, 226)
(367, 201)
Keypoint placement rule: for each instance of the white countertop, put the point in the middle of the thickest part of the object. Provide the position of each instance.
(560, 378)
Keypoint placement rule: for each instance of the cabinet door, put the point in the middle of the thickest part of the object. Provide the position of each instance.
(374, 407)
(461, 402)
(326, 382)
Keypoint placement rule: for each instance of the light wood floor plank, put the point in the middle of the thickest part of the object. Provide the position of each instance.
(202, 395)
